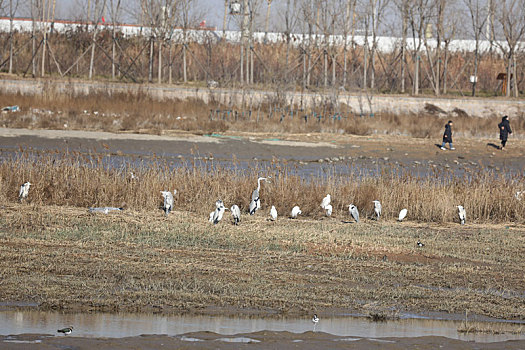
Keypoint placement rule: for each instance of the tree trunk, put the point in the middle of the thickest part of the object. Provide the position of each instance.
(476, 59)
(416, 75)
(33, 41)
(404, 30)
(150, 66)
(160, 63)
(325, 69)
(170, 65)
(10, 36)
(113, 53)
(509, 71)
(515, 80)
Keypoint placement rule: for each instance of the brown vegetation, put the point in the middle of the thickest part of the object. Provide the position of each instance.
(122, 112)
(84, 180)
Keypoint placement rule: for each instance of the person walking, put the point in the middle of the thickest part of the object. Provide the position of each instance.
(447, 136)
(504, 131)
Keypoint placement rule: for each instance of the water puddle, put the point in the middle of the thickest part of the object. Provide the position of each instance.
(128, 325)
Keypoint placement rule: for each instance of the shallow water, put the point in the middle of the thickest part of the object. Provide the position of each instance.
(126, 325)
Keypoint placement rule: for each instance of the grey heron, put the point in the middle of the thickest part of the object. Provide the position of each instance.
(168, 201)
(218, 213)
(462, 214)
(402, 214)
(255, 203)
(273, 213)
(104, 210)
(24, 191)
(326, 201)
(295, 211)
(236, 214)
(354, 212)
(377, 209)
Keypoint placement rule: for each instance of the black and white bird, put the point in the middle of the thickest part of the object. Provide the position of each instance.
(419, 244)
(216, 216)
(354, 212)
(462, 214)
(402, 215)
(273, 213)
(104, 210)
(236, 214)
(315, 320)
(295, 211)
(377, 209)
(255, 203)
(24, 191)
(326, 201)
(66, 331)
(328, 210)
(168, 201)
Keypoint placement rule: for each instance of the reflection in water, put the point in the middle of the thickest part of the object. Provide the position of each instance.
(125, 325)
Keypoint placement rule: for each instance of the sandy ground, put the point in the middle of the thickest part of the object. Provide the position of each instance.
(470, 153)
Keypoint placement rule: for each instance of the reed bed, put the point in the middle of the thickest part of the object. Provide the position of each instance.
(82, 180)
(139, 112)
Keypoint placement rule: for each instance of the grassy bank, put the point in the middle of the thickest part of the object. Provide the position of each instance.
(64, 258)
(81, 180)
(139, 112)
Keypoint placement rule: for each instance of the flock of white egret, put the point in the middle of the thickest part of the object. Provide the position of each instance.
(255, 204)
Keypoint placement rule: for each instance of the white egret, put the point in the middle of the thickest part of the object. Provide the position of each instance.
(168, 201)
(295, 211)
(402, 214)
(462, 214)
(273, 213)
(518, 195)
(236, 214)
(24, 191)
(354, 212)
(326, 201)
(377, 209)
(328, 210)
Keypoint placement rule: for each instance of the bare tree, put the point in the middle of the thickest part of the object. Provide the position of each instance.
(98, 13)
(114, 11)
(510, 15)
(478, 19)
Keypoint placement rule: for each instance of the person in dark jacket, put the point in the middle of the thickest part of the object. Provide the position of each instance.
(504, 131)
(447, 136)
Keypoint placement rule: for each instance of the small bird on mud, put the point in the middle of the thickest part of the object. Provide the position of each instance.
(462, 214)
(328, 210)
(326, 201)
(377, 209)
(168, 201)
(354, 212)
(66, 331)
(273, 213)
(402, 215)
(24, 191)
(295, 211)
(315, 320)
(419, 244)
(236, 214)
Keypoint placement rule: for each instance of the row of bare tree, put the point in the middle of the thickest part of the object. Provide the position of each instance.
(312, 52)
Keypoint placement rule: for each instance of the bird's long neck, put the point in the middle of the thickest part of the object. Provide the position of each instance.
(259, 183)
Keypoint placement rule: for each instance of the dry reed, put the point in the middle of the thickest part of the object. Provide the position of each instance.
(83, 180)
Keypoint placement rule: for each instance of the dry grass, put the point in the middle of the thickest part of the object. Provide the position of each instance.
(65, 258)
(82, 180)
(120, 112)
